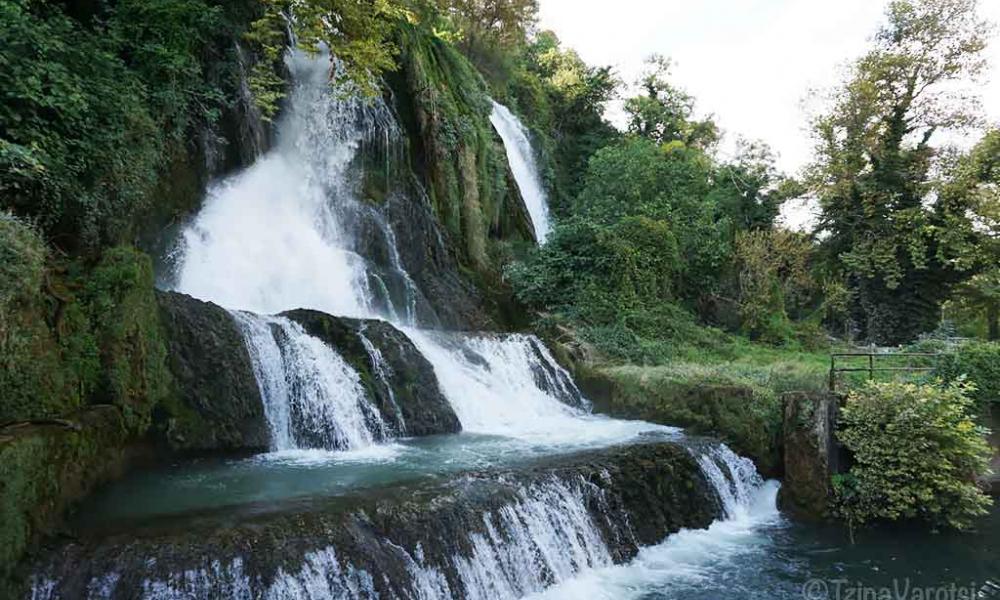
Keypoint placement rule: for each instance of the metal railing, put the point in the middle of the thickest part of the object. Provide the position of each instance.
(872, 358)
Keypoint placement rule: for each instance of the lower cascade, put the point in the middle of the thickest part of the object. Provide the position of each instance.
(501, 536)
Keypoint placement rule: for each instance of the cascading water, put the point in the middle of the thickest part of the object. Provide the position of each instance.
(281, 235)
(312, 397)
(685, 563)
(521, 157)
(284, 235)
(493, 382)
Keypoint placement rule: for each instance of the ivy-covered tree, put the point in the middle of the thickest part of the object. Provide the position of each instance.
(899, 250)
(664, 113)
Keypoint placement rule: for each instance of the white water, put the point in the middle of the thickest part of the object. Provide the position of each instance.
(546, 537)
(692, 559)
(282, 236)
(278, 236)
(312, 397)
(521, 157)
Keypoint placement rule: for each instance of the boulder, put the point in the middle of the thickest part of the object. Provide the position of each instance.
(811, 453)
(216, 403)
(394, 373)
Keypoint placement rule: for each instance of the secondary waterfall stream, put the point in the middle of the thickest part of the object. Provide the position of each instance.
(522, 163)
(282, 236)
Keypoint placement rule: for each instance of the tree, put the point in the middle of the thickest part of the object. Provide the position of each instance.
(774, 281)
(892, 242)
(491, 23)
(749, 190)
(357, 32)
(975, 186)
(664, 113)
(577, 96)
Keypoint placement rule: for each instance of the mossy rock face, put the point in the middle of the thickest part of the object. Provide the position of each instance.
(215, 401)
(48, 359)
(119, 297)
(406, 391)
(381, 538)
(732, 413)
(445, 108)
(45, 467)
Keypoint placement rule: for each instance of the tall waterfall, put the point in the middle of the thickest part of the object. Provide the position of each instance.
(281, 235)
(522, 163)
(292, 231)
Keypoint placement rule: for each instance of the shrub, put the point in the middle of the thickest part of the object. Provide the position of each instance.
(917, 452)
(979, 362)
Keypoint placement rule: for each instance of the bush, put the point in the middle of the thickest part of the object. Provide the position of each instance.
(917, 452)
(979, 362)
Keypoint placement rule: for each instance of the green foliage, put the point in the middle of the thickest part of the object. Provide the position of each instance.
(737, 398)
(90, 108)
(637, 177)
(664, 113)
(978, 363)
(774, 282)
(917, 452)
(357, 32)
(119, 299)
(574, 97)
(899, 253)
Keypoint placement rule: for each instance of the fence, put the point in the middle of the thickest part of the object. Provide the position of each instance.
(869, 365)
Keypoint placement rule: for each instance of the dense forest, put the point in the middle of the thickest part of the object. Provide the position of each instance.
(668, 285)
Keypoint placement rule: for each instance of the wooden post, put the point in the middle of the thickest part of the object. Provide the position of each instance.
(871, 367)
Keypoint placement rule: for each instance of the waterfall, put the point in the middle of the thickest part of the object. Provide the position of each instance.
(281, 235)
(521, 157)
(546, 537)
(500, 384)
(687, 559)
(312, 397)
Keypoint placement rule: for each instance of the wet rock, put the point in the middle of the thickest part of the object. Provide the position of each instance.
(216, 403)
(496, 534)
(394, 373)
(811, 453)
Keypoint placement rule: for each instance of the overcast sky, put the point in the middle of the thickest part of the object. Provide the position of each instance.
(750, 63)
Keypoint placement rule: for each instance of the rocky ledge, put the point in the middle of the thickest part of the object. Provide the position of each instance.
(494, 535)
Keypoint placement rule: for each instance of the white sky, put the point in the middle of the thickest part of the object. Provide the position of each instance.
(750, 63)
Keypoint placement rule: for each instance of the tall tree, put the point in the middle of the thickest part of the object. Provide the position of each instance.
(975, 184)
(491, 22)
(873, 175)
(665, 113)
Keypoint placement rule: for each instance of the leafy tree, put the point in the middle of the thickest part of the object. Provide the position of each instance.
(749, 190)
(357, 32)
(774, 281)
(664, 113)
(90, 110)
(637, 177)
(899, 251)
(917, 452)
(491, 23)
(577, 96)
